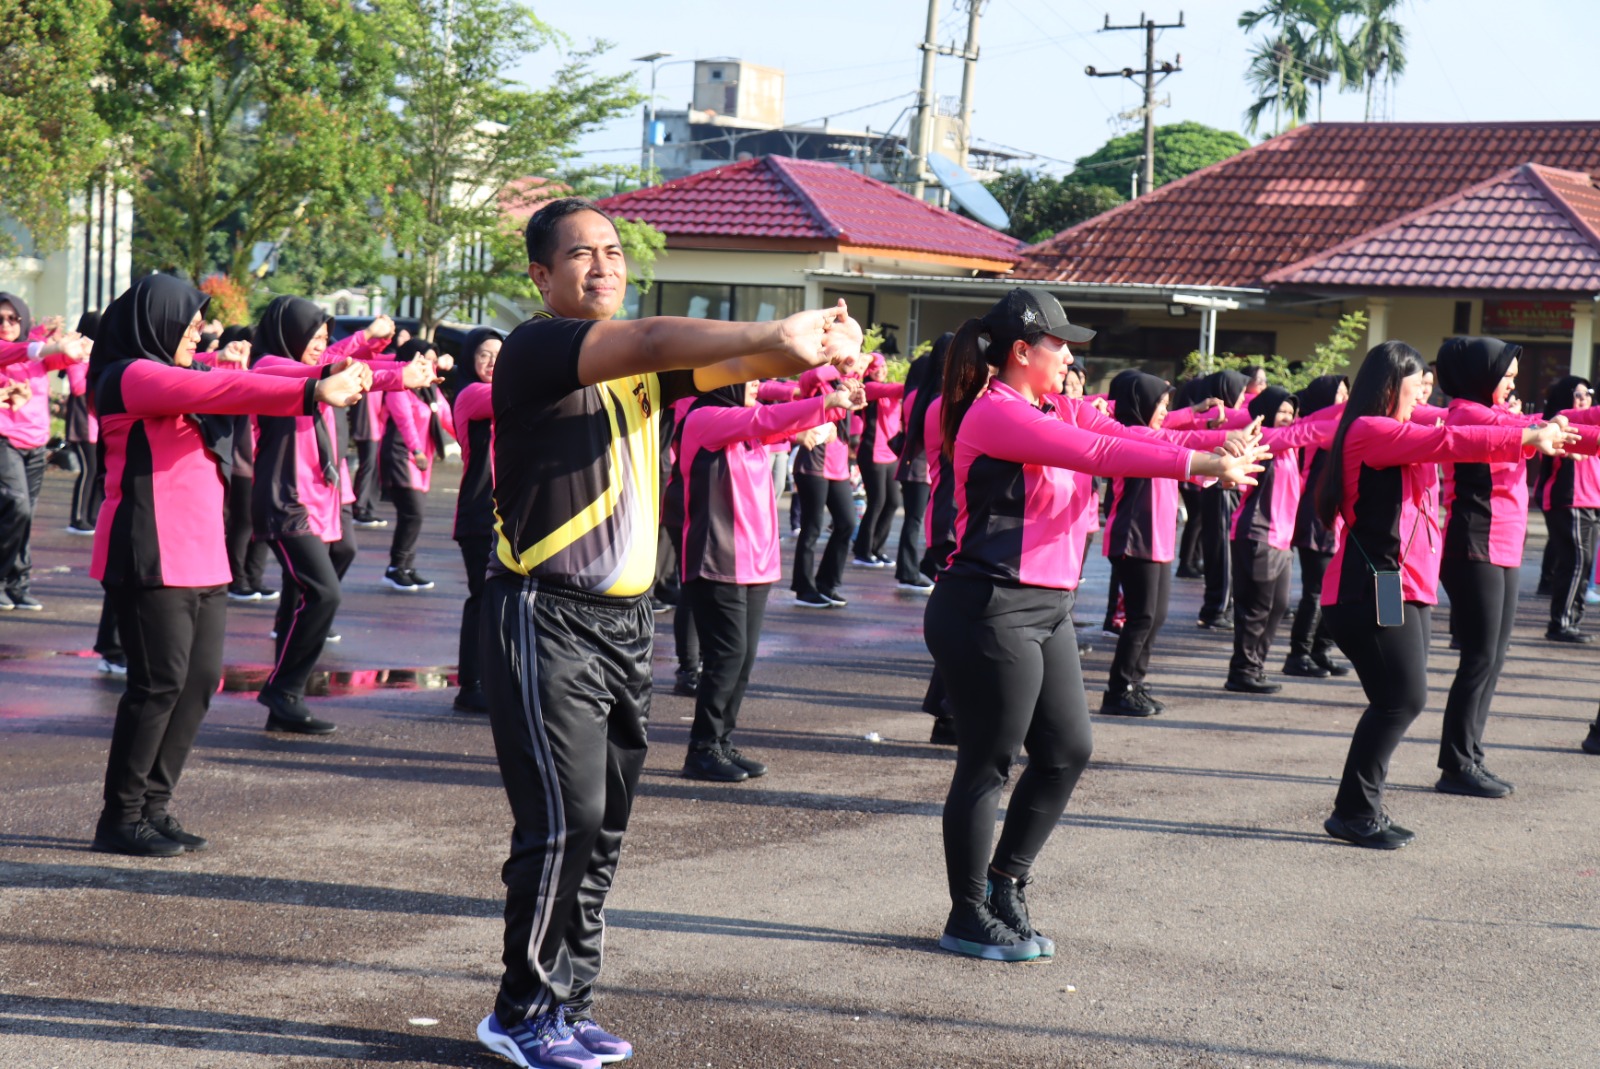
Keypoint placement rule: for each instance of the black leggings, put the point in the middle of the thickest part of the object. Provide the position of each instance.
(1572, 546)
(407, 525)
(883, 501)
(728, 618)
(1483, 606)
(817, 495)
(85, 506)
(247, 559)
(685, 639)
(366, 478)
(21, 479)
(174, 646)
(475, 552)
(1216, 518)
(310, 600)
(1309, 636)
(1260, 598)
(1189, 553)
(1009, 660)
(914, 496)
(1146, 590)
(1392, 664)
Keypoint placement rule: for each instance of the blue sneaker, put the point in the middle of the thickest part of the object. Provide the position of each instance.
(545, 1042)
(602, 1044)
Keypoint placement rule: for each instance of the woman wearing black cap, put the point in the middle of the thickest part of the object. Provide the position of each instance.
(1568, 492)
(1309, 641)
(159, 548)
(473, 412)
(999, 621)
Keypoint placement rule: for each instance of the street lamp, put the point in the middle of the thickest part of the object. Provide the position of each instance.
(647, 154)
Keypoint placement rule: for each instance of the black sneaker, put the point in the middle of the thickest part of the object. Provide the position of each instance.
(919, 585)
(139, 839)
(883, 561)
(1334, 667)
(1251, 685)
(1144, 693)
(1472, 782)
(944, 731)
(837, 599)
(1301, 664)
(267, 595)
(752, 768)
(1188, 573)
(686, 683)
(168, 826)
(812, 601)
(1569, 635)
(370, 521)
(865, 562)
(1008, 900)
(417, 580)
(237, 592)
(1591, 744)
(657, 606)
(30, 603)
(1498, 779)
(1378, 833)
(713, 765)
(5, 602)
(292, 717)
(399, 579)
(1129, 703)
(470, 700)
(1216, 623)
(975, 931)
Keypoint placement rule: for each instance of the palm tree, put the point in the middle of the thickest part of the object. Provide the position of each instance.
(1305, 51)
(1376, 48)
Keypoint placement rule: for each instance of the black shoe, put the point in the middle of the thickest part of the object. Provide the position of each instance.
(1215, 623)
(1084, 649)
(975, 931)
(1592, 743)
(752, 768)
(1129, 703)
(399, 579)
(370, 521)
(1375, 834)
(267, 595)
(237, 592)
(657, 606)
(944, 731)
(470, 700)
(713, 765)
(24, 600)
(168, 826)
(836, 599)
(1569, 635)
(813, 601)
(1302, 665)
(1251, 685)
(686, 683)
(1144, 692)
(1334, 667)
(291, 716)
(139, 839)
(1008, 900)
(417, 580)
(1507, 784)
(1189, 573)
(1472, 782)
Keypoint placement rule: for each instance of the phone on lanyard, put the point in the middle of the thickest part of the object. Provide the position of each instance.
(1390, 598)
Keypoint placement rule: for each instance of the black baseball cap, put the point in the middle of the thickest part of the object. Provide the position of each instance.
(1022, 313)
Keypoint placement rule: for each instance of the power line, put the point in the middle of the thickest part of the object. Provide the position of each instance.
(1147, 176)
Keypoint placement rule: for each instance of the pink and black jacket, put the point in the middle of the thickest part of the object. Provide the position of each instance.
(1268, 511)
(940, 523)
(1015, 491)
(472, 416)
(730, 526)
(1309, 533)
(418, 423)
(831, 460)
(881, 418)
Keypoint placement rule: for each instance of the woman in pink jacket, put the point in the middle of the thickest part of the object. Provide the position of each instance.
(159, 549)
(82, 433)
(880, 423)
(472, 413)
(413, 440)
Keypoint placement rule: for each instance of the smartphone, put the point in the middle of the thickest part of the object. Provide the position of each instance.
(1391, 599)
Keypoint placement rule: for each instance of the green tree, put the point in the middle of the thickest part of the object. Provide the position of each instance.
(1376, 48)
(51, 138)
(1328, 357)
(1181, 148)
(1302, 53)
(465, 133)
(1042, 205)
(242, 120)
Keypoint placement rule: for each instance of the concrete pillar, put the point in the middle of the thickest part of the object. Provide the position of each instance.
(1583, 339)
(1377, 321)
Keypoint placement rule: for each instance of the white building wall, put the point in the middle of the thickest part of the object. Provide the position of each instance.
(92, 268)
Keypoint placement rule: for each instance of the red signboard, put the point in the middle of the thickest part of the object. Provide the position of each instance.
(1527, 317)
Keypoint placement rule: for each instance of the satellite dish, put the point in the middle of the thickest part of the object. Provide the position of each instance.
(968, 192)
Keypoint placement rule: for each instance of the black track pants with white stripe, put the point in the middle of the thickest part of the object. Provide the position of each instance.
(567, 678)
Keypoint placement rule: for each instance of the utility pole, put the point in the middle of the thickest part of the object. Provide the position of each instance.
(969, 77)
(1147, 177)
(921, 140)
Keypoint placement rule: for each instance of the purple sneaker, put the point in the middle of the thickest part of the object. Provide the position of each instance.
(602, 1044)
(545, 1042)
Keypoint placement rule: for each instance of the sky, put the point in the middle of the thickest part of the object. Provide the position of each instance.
(1468, 60)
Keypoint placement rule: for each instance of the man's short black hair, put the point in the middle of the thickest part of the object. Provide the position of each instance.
(541, 232)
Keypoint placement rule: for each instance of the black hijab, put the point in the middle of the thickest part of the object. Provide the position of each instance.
(1321, 392)
(1226, 386)
(287, 326)
(21, 307)
(467, 366)
(233, 334)
(932, 386)
(405, 354)
(721, 397)
(1265, 404)
(1471, 368)
(1563, 395)
(88, 324)
(1136, 396)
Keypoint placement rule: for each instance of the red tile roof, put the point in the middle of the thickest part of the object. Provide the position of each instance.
(775, 197)
(1296, 195)
(1530, 228)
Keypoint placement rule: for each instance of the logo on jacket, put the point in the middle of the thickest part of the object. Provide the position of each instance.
(641, 393)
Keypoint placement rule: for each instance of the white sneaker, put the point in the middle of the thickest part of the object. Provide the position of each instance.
(1591, 596)
(107, 668)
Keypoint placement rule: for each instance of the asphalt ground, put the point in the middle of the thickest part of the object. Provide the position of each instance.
(348, 911)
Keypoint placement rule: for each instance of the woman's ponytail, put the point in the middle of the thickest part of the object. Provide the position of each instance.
(966, 373)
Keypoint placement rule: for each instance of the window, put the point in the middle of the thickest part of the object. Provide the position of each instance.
(697, 300)
(761, 304)
(713, 300)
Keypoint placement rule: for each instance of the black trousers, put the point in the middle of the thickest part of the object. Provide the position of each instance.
(1146, 590)
(364, 483)
(108, 637)
(567, 678)
(407, 525)
(1260, 598)
(342, 553)
(934, 700)
(310, 600)
(21, 479)
(247, 558)
(475, 552)
(728, 618)
(174, 647)
(1113, 597)
(1009, 659)
(685, 638)
(1190, 556)
(1573, 533)
(1392, 664)
(1216, 517)
(1483, 608)
(914, 496)
(85, 505)
(1309, 635)
(883, 501)
(818, 495)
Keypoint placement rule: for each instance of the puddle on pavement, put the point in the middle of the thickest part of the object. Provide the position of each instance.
(250, 677)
